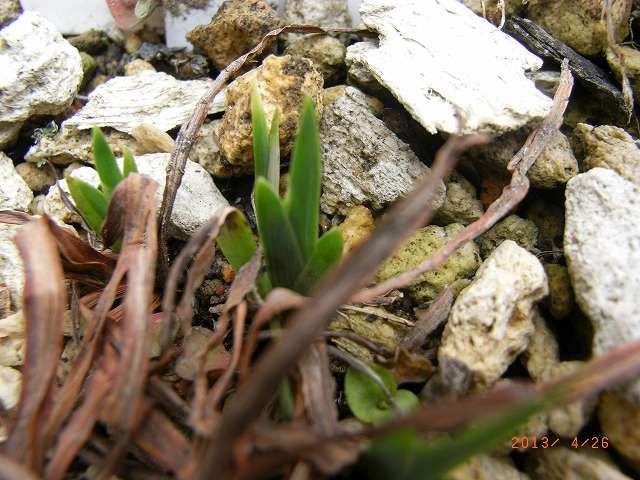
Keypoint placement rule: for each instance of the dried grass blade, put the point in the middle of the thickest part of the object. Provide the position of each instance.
(318, 390)
(200, 246)
(44, 305)
(133, 201)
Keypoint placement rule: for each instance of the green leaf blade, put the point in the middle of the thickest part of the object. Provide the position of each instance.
(236, 240)
(105, 161)
(260, 136)
(326, 255)
(303, 197)
(284, 260)
(91, 202)
(129, 163)
(273, 170)
(404, 455)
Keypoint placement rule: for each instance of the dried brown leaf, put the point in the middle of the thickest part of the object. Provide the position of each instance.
(44, 305)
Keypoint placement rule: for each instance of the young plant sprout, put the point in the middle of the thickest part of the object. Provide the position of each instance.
(90, 201)
(296, 256)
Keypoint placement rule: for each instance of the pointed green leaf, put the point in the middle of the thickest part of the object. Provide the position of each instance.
(303, 197)
(284, 260)
(236, 240)
(90, 201)
(129, 163)
(273, 171)
(260, 135)
(326, 255)
(105, 161)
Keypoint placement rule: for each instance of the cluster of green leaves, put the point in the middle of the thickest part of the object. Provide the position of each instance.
(369, 402)
(296, 257)
(92, 202)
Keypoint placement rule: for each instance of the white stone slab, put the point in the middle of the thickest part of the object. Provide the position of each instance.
(438, 57)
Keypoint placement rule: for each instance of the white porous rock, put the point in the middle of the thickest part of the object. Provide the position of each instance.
(197, 198)
(54, 205)
(11, 267)
(154, 98)
(326, 13)
(602, 248)
(12, 340)
(15, 194)
(562, 463)
(10, 386)
(40, 72)
(196, 201)
(491, 322)
(9, 133)
(76, 16)
(364, 163)
(181, 17)
(439, 59)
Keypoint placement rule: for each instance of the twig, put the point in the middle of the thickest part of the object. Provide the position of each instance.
(511, 195)
(430, 320)
(312, 319)
(189, 131)
(380, 314)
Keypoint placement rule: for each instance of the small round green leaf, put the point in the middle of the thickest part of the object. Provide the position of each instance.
(366, 399)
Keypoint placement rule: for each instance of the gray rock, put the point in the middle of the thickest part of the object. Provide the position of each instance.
(364, 162)
(71, 145)
(12, 340)
(47, 70)
(491, 321)
(36, 178)
(327, 54)
(358, 73)
(196, 201)
(543, 352)
(37, 205)
(182, 17)
(620, 421)
(609, 147)
(579, 24)
(569, 420)
(461, 204)
(10, 387)
(327, 13)
(206, 150)
(602, 248)
(562, 463)
(523, 232)
(9, 9)
(9, 133)
(487, 467)
(11, 268)
(478, 73)
(14, 192)
(460, 267)
(150, 97)
(552, 169)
